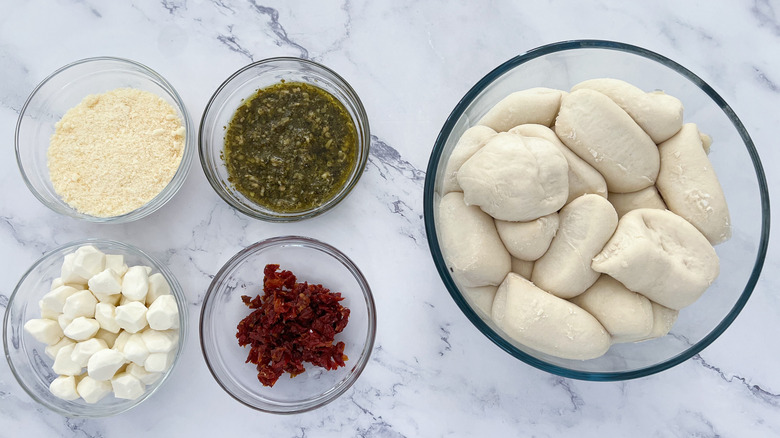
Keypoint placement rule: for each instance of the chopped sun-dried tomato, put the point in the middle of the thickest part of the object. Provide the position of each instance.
(292, 323)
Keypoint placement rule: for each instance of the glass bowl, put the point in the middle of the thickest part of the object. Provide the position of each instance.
(562, 65)
(63, 90)
(243, 84)
(25, 355)
(311, 261)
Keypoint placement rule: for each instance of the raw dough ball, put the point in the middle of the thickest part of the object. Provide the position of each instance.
(528, 240)
(469, 143)
(470, 244)
(522, 268)
(515, 178)
(645, 198)
(657, 113)
(690, 187)
(481, 297)
(586, 224)
(627, 315)
(583, 178)
(706, 142)
(601, 133)
(663, 320)
(534, 105)
(547, 323)
(661, 256)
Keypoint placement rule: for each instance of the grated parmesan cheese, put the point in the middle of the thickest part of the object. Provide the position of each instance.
(114, 152)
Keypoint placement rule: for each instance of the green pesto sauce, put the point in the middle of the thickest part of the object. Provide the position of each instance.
(290, 147)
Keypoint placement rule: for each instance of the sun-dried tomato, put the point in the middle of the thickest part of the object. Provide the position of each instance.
(292, 323)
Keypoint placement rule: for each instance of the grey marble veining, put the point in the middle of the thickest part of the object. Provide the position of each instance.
(431, 372)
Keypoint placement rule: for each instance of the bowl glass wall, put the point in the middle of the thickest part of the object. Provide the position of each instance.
(245, 83)
(733, 155)
(66, 88)
(311, 261)
(25, 355)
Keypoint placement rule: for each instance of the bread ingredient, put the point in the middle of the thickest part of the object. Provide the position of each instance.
(469, 142)
(690, 187)
(663, 320)
(105, 343)
(290, 147)
(547, 323)
(44, 330)
(163, 313)
(627, 315)
(470, 243)
(606, 130)
(127, 386)
(586, 224)
(64, 387)
(528, 240)
(114, 152)
(515, 178)
(522, 267)
(583, 178)
(480, 297)
(645, 198)
(657, 113)
(292, 323)
(660, 255)
(601, 133)
(534, 105)
(91, 390)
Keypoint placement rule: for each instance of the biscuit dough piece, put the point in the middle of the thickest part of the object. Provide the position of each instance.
(688, 184)
(657, 113)
(645, 198)
(663, 320)
(547, 323)
(661, 256)
(515, 178)
(583, 178)
(603, 134)
(534, 105)
(528, 240)
(627, 315)
(586, 224)
(706, 142)
(470, 142)
(522, 268)
(470, 244)
(480, 297)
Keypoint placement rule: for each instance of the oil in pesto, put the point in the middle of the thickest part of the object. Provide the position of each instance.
(290, 147)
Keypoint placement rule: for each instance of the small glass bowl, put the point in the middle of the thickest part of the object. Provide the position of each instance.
(316, 263)
(25, 355)
(63, 90)
(243, 84)
(733, 155)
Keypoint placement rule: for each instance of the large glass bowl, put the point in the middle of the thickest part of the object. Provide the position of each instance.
(243, 84)
(63, 90)
(733, 155)
(316, 263)
(25, 355)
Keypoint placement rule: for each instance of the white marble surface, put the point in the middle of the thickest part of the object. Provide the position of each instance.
(432, 373)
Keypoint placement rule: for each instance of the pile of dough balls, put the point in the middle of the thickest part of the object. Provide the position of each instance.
(580, 219)
(108, 327)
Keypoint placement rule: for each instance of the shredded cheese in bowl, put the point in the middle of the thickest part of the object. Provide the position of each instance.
(114, 152)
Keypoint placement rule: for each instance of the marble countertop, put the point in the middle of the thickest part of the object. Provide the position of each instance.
(431, 373)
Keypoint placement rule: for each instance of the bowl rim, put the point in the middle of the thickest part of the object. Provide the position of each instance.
(170, 189)
(176, 290)
(360, 165)
(465, 307)
(368, 296)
